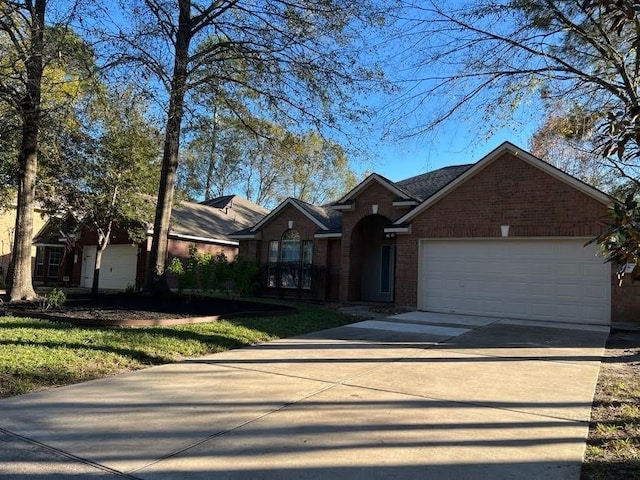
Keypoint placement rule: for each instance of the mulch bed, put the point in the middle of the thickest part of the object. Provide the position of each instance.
(122, 309)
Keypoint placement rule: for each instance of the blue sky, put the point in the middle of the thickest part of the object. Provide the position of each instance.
(450, 145)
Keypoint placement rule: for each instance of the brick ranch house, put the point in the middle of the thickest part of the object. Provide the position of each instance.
(502, 237)
(66, 255)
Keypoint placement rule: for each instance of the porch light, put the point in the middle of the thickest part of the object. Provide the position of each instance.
(374, 209)
(504, 230)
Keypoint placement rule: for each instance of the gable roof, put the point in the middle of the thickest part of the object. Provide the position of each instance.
(317, 215)
(189, 221)
(506, 147)
(394, 188)
(203, 222)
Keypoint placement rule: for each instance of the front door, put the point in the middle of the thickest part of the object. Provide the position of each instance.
(378, 273)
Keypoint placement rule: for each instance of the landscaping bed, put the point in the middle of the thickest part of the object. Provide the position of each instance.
(126, 309)
(613, 446)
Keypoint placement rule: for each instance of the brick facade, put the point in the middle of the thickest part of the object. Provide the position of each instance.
(373, 194)
(509, 191)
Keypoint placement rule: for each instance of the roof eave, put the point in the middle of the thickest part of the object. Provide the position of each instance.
(247, 236)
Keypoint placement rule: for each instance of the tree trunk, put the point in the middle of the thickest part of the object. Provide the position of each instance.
(156, 280)
(21, 281)
(96, 272)
(103, 242)
(212, 157)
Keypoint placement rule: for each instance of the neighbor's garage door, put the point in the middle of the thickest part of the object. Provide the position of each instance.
(552, 280)
(119, 266)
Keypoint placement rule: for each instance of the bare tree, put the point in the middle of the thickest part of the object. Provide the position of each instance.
(303, 58)
(491, 57)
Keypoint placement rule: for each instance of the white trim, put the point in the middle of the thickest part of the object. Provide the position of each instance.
(328, 235)
(398, 229)
(367, 181)
(349, 207)
(50, 245)
(405, 203)
(180, 236)
(250, 236)
(490, 158)
(288, 201)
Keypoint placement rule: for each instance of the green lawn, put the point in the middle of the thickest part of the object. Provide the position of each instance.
(36, 354)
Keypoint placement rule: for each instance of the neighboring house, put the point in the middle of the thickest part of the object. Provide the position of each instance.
(67, 256)
(503, 237)
(7, 228)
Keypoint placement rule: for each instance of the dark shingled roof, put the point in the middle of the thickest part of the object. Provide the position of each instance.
(327, 217)
(419, 187)
(425, 185)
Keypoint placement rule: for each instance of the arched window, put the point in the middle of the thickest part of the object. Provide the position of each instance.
(290, 261)
(290, 247)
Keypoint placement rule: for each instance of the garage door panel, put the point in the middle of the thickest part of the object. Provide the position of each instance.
(533, 279)
(118, 269)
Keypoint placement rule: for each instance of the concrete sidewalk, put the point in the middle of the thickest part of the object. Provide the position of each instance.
(412, 396)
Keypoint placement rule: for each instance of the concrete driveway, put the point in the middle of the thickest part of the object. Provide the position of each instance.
(415, 396)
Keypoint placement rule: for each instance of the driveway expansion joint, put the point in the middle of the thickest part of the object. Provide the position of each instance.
(70, 456)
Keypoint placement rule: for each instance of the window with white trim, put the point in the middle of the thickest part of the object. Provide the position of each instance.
(290, 260)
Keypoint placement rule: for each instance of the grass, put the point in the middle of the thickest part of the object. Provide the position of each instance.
(613, 446)
(38, 354)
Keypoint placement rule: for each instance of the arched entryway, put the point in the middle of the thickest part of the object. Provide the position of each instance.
(372, 261)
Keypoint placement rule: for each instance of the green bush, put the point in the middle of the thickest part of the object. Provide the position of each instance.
(204, 272)
(56, 298)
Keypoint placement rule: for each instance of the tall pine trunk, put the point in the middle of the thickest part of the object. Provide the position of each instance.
(156, 279)
(21, 281)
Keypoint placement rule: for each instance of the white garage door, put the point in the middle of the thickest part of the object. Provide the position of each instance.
(552, 280)
(119, 265)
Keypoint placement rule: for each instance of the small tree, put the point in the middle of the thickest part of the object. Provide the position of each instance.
(108, 171)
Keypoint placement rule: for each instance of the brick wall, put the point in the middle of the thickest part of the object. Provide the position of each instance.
(374, 194)
(307, 228)
(625, 299)
(508, 191)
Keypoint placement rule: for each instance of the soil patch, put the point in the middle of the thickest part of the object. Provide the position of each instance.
(613, 445)
(122, 309)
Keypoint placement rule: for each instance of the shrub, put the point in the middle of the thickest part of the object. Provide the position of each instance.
(55, 298)
(203, 272)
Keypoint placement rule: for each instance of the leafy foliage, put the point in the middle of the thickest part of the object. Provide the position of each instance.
(300, 59)
(56, 298)
(204, 272)
(264, 162)
(621, 240)
(566, 140)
